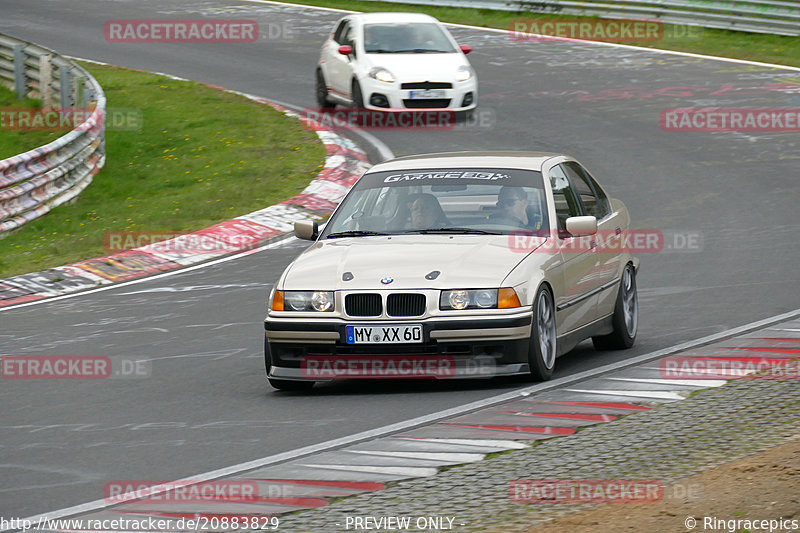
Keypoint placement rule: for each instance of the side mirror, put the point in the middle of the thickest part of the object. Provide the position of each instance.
(345, 49)
(579, 226)
(465, 48)
(306, 230)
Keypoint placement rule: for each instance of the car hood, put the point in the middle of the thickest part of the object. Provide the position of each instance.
(420, 67)
(464, 261)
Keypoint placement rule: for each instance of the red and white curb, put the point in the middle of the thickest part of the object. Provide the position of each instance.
(344, 164)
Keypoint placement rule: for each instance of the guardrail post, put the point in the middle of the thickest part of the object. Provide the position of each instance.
(46, 79)
(64, 75)
(80, 95)
(20, 83)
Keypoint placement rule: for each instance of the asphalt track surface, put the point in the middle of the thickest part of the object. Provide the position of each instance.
(207, 405)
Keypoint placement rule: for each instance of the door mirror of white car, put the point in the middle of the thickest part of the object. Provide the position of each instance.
(306, 230)
(345, 49)
(579, 226)
(465, 48)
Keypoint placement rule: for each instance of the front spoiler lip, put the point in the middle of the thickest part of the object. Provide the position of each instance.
(296, 374)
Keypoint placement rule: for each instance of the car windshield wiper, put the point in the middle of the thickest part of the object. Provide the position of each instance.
(455, 230)
(353, 233)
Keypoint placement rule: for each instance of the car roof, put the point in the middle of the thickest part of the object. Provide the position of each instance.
(488, 159)
(366, 18)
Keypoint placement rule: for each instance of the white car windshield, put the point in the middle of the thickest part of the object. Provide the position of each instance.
(413, 37)
(468, 201)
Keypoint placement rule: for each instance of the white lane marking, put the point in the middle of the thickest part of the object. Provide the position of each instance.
(598, 43)
(433, 417)
(702, 383)
(448, 457)
(277, 244)
(659, 395)
(484, 443)
(383, 150)
(409, 471)
(196, 288)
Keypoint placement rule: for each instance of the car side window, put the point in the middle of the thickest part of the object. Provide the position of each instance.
(594, 200)
(566, 202)
(349, 37)
(337, 35)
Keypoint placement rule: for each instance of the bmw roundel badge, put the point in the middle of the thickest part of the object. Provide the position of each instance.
(387, 280)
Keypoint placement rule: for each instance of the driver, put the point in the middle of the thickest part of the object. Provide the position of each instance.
(512, 205)
(426, 213)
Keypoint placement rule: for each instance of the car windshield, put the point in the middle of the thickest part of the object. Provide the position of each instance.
(414, 37)
(476, 201)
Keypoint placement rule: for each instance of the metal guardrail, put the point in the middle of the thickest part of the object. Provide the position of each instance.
(759, 16)
(33, 183)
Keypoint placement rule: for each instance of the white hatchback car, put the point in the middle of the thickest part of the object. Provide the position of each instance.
(455, 265)
(395, 61)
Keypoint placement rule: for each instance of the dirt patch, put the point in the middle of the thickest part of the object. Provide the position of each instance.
(765, 486)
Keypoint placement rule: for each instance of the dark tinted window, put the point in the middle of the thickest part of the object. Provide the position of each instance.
(337, 35)
(564, 197)
(594, 201)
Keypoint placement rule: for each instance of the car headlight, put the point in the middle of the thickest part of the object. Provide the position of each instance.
(381, 74)
(457, 299)
(321, 301)
(463, 73)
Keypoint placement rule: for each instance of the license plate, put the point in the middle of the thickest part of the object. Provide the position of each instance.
(391, 334)
(426, 93)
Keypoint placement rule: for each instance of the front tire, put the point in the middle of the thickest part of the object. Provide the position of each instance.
(357, 96)
(626, 315)
(543, 346)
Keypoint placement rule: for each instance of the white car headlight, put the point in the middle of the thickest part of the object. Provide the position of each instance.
(463, 73)
(303, 301)
(381, 74)
(458, 299)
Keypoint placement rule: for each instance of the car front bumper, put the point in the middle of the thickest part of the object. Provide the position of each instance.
(398, 98)
(473, 347)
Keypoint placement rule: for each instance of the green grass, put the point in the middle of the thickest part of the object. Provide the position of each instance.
(201, 156)
(13, 142)
(735, 44)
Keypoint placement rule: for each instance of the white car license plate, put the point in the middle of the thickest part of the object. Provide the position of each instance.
(390, 334)
(426, 93)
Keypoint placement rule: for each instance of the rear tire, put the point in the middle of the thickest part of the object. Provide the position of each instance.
(626, 315)
(543, 346)
(283, 384)
(322, 92)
